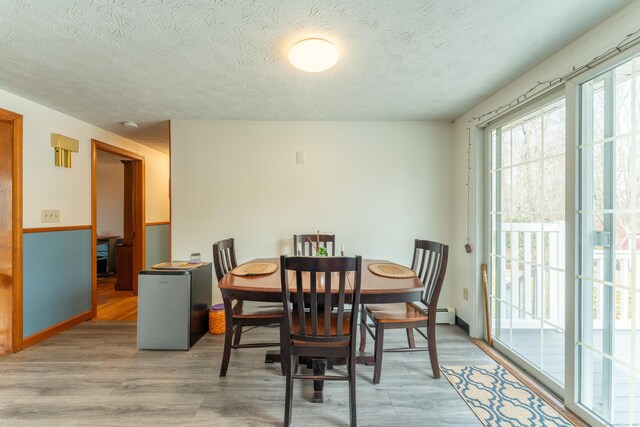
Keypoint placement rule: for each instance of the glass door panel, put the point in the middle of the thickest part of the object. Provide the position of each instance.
(608, 220)
(528, 238)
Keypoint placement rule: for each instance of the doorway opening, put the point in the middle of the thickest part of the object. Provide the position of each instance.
(11, 339)
(118, 230)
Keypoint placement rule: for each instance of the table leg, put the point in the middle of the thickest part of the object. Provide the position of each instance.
(272, 356)
(319, 367)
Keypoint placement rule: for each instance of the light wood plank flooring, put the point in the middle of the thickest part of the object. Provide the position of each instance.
(93, 375)
(115, 305)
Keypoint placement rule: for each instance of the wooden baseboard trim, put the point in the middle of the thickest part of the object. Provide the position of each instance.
(535, 387)
(55, 329)
(157, 223)
(52, 229)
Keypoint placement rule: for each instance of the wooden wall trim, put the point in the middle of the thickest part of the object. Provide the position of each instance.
(538, 389)
(55, 329)
(18, 255)
(139, 228)
(15, 247)
(140, 191)
(170, 207)
(94, 230)
(149, 224)
(116, 150)
(53, 229)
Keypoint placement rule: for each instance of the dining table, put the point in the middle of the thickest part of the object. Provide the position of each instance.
(374, 289)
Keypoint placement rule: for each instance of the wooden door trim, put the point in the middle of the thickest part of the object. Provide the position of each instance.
(54, 229)
(170, 204)
(153, 224)
(139, 228)
(16, 224)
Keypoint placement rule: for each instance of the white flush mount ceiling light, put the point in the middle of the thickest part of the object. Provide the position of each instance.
(130, 125)
(313, 55)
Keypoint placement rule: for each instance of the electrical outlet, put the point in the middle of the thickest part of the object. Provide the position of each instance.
(50, 215)
(465, 294)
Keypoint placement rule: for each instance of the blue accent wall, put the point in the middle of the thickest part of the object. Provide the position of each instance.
(158, 243)
(57, 278)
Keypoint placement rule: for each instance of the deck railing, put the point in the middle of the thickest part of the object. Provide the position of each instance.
(530, 279)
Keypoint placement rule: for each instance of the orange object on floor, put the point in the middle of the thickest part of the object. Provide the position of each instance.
(216, 319)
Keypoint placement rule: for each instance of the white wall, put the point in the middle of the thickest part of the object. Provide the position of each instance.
(376, 185)
(110, 193)
(466, 270)
(46, 186)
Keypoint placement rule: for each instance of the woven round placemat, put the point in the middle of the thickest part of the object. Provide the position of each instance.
(255, 269)
(394, 271)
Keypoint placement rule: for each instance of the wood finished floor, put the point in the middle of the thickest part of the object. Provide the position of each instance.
(115, 305)
(92, 374)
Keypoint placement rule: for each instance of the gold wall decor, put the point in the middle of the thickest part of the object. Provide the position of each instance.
(63, 147)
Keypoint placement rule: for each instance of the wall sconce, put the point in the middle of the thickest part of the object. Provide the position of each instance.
(63, 146)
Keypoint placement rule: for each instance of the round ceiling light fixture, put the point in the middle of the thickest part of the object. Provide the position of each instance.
(130, 125)
(313, 55)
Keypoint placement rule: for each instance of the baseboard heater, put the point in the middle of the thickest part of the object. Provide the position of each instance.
(446, 316)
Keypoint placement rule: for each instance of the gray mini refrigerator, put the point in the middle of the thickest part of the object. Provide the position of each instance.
(173, 307)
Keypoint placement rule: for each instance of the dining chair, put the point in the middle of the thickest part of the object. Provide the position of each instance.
(324, 329)
(243, 313)
(430, 265)
(327, 241)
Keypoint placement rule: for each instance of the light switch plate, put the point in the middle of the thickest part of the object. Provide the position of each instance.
(465, 294)
(300, 157)
(50, 215)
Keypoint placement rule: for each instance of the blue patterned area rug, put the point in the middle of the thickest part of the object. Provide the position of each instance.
(499, 399)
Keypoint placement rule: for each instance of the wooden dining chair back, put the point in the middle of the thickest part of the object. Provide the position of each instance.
(430, 265)
(316, 322)
(224, 257)
(307, 242)
(239, 313)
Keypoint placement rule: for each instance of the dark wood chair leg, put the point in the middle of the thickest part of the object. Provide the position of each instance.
(288, 396)
(377, 355)
(433, 351)
(410, 339)
(352, 392)
(237, 336)
(296, 363)
(283, 359)
(228, 335)
(363, 329)
(319, 367)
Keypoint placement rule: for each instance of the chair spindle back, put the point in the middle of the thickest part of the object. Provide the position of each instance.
(327, 241)
(224, 257)
(325, 298)
(430, 264)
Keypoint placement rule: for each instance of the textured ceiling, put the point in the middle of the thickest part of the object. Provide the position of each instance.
(108, 61)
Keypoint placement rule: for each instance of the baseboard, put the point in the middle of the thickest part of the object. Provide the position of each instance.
(462, 324)
(55, 329)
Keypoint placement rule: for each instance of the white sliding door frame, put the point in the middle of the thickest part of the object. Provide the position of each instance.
(571, 90)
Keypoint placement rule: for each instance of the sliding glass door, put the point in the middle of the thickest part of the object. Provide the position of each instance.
(608, 349)
(528, 182)
(527, 253)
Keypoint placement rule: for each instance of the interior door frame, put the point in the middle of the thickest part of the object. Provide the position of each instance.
(11, 339)
(139, 249)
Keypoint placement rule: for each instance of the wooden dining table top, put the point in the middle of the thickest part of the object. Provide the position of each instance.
(371, 284)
